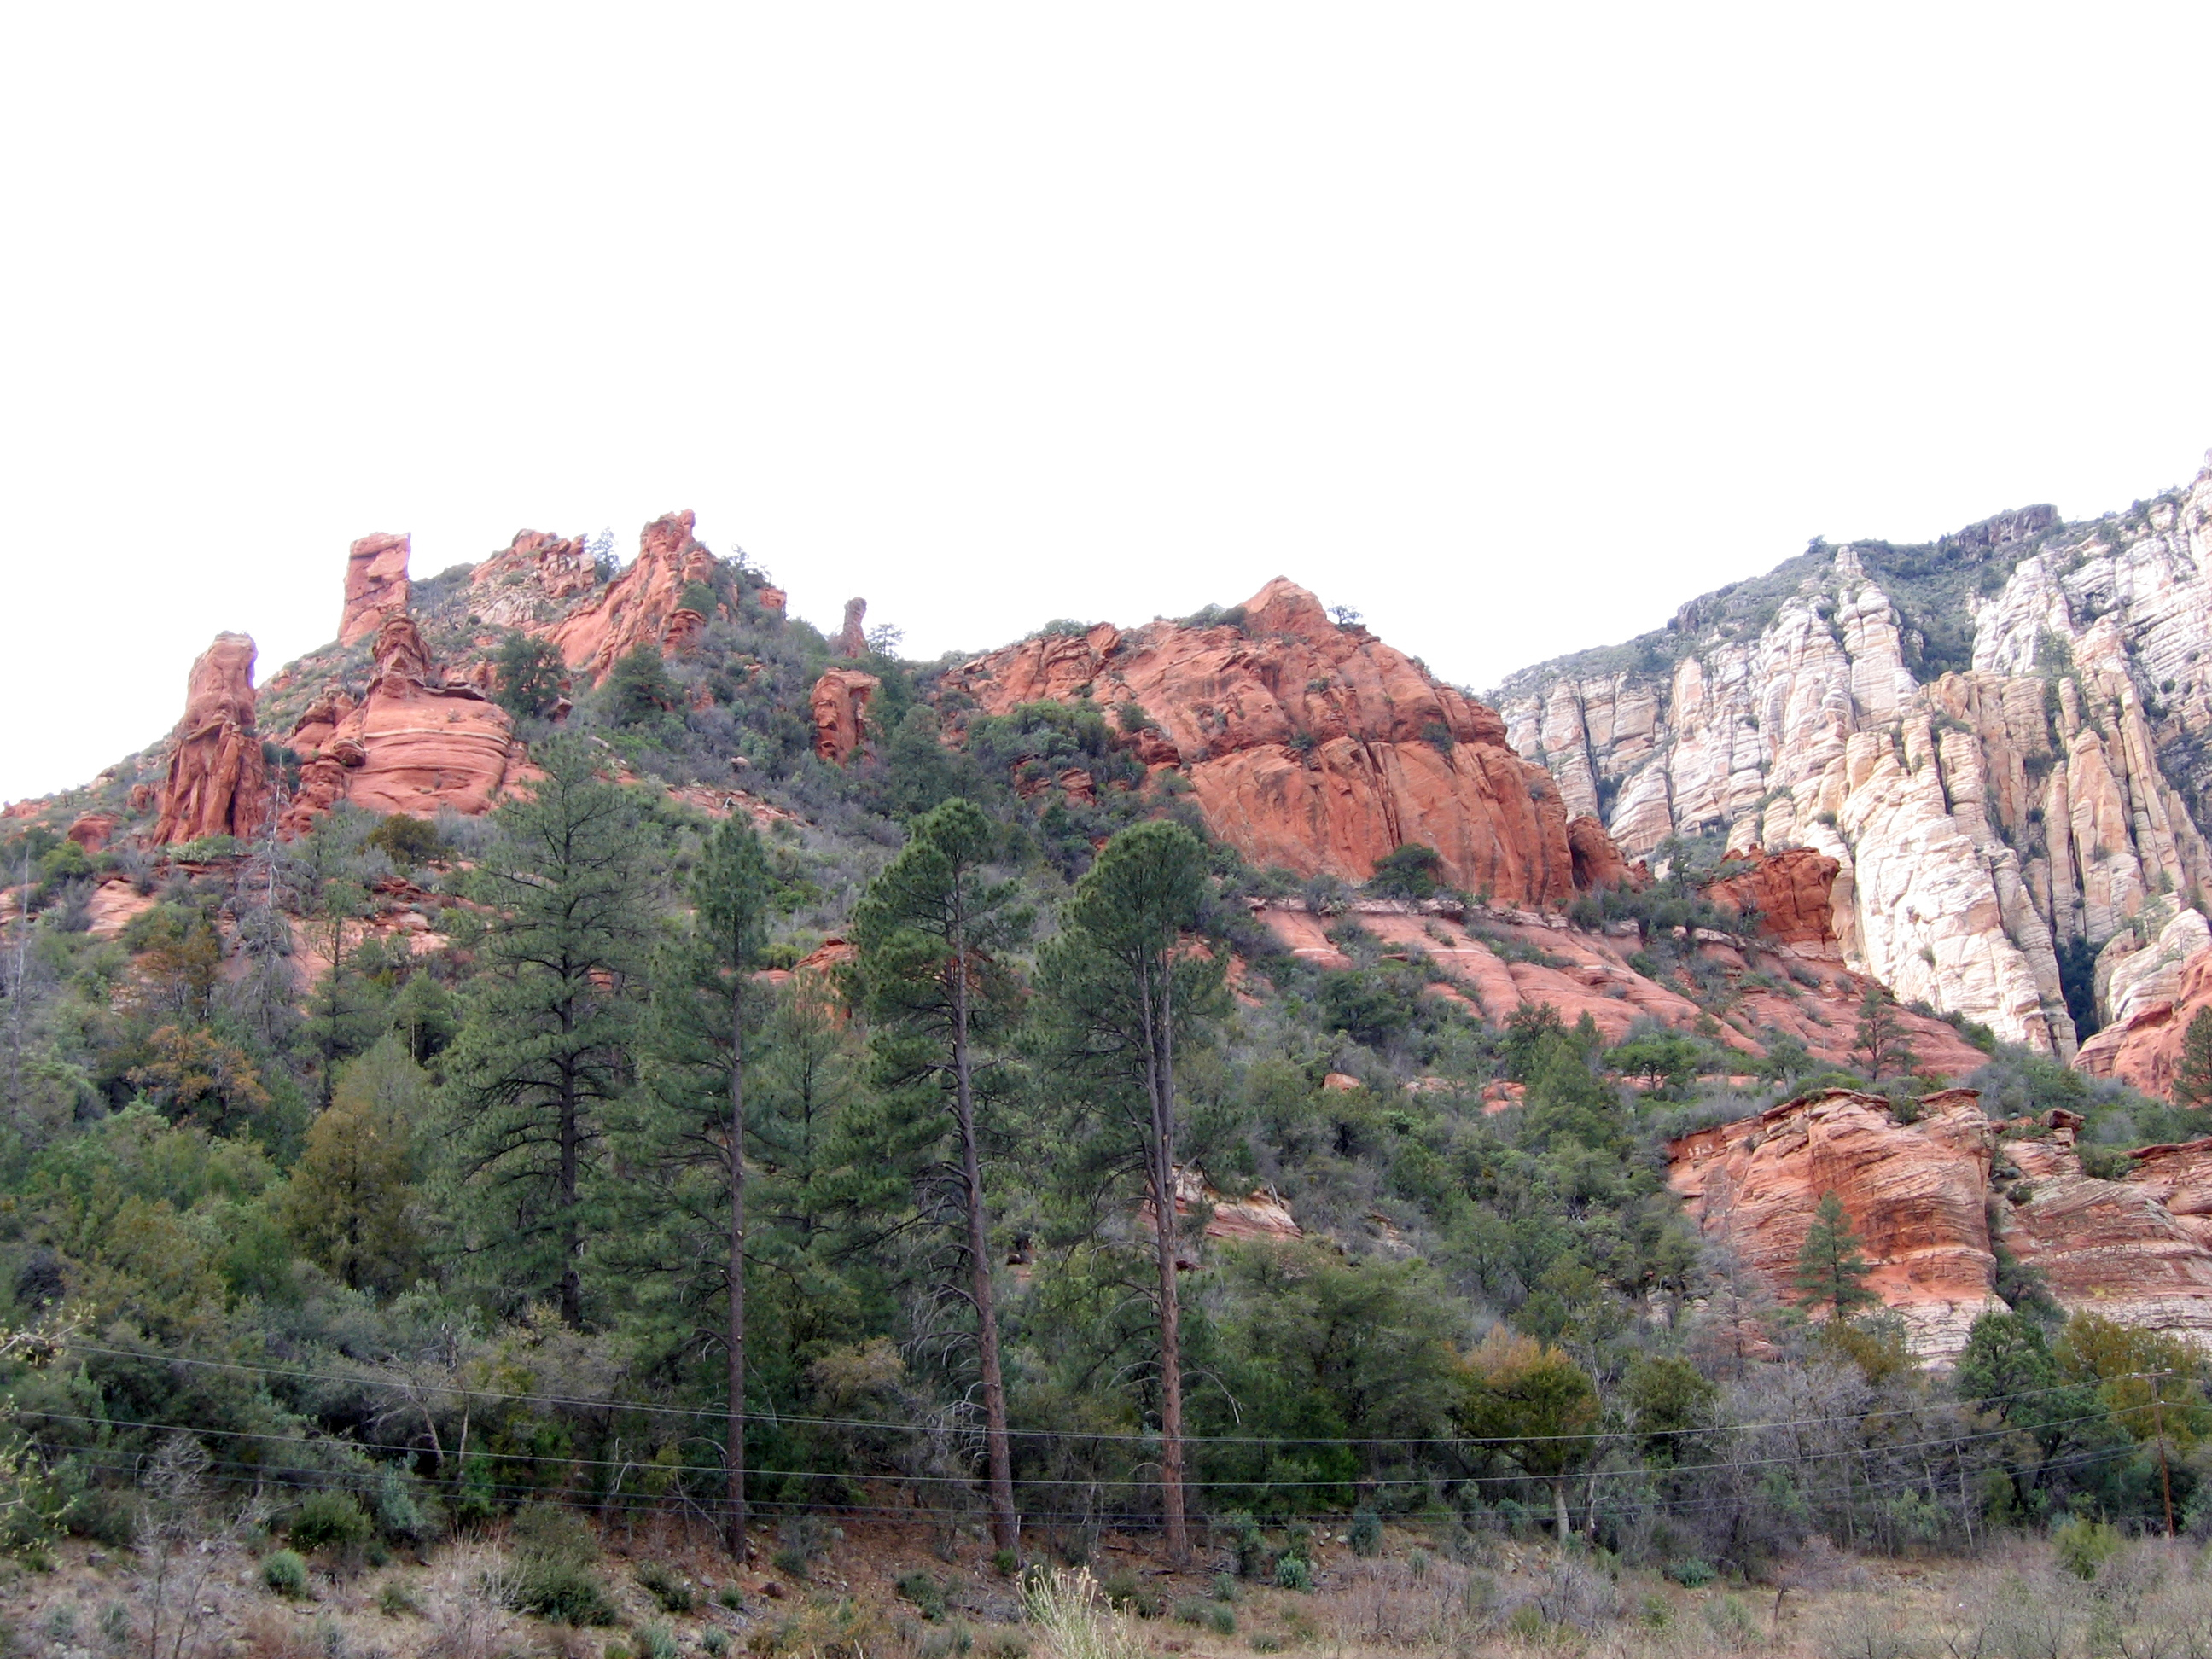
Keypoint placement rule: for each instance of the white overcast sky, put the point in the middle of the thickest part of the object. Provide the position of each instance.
(1511, 325)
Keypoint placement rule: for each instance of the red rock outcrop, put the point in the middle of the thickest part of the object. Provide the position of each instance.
(1791, 891)
(853, 638)
(840, 703)
(217, 784)
(532, 576)
(1310, 744)
(1923, 1197)
(638, 606)
(90, 830)
(417, 742)
(2143, 1049)
(375, 585)
(1915, 1196)
(1597, 862)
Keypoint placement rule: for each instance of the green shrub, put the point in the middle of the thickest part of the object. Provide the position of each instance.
(329, 1521)
(393, 1601)
(567, 1592)
(1366, 1533)
(656, 1642)
(1691, 1574)
(2083, 1547)
(1293, 1572)
(716, 1641)
(285, 1572)
(666, 1586)
(925, 1592)
(731, 1597)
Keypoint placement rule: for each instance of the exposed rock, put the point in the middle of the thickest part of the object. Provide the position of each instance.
(1311, 746)
(2143, 1050)
(2134, 972)
(417, 742)
(773, 600)
(853, 638)
(375, 585)
(840, 704)
(90, 830)
(217, 784)
(1915, 1196)
(1597, 861)
(530, 580)
(1792, 893)
(639, 606)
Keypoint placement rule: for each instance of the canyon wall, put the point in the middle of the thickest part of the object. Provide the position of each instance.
(1988, 815)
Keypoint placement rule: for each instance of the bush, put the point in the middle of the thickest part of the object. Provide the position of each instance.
(567, 1592)
(1293, 1573)
(1366, 1533)
(393, 1601)
(925, 1592)
(329, 1521)
(285, 1572)
(2083, 1546)
(656, 1643)
(666, 1586)
(1692, 1574)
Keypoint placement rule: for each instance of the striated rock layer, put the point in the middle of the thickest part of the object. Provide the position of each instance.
(1981, 818)
(1933, 1201)
(1312, 745)
(217, 783)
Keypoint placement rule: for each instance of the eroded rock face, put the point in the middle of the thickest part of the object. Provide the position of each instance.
(853, 638)
(217, 783)
(1977, 820)
(641, 605)
(1793, 893)
(1915, 1196)
(375, 585)
(2144, 1049)
(1312, 745)
(840, 706)
(533, 577)
(1923, 1197)
(417, 742)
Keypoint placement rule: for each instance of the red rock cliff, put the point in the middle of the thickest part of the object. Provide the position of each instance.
(840, 706)
(375, 585)
(1792, 893)
(1310, 744)
(638, 607)
(2144, 1049)
(217, 783)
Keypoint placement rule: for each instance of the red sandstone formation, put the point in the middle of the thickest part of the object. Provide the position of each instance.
(853, 638)
(417, 743)
(2144, 1049)
(1791, 893)
(91, 830)
(839, 703)
(1923, 1196)
(1597, 862)
(1915, 1197)
(1311, 746)
(217, 784)
(639, 606)
(772, 600)
(375, 585)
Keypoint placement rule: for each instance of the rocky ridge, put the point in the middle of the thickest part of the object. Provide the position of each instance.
(1990, 809)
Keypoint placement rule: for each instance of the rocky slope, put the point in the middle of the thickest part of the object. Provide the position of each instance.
(1999, 737)
(1935, 1199)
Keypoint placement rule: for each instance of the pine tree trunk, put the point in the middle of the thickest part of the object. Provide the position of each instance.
(733, 1455)
(572, 1244)
(1005, 1524)
(1162, 1067)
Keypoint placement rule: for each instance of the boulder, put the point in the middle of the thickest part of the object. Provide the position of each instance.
(840, 704)
(375, 585)
(217, 783)
(90, 830)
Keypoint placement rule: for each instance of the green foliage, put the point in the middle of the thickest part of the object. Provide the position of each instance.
(329, 1520)
(661, 1581)
(285, 1572)
(529, 675)
(409, 841)
(1831, 1270)
(2192, 1074)
(638, 689)
(553, 1576)
(2082, 1547)
(927, 1594)
(1410, 872)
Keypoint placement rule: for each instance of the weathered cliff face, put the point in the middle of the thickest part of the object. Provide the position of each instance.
(531, 581)
(1933, 1200)
(1791, 892)
(217, 783)
(2143, 1048)
(417, 742)
(1311, 744)
(1980, 818)
(641, 606)
(375, 585)
(840, 707)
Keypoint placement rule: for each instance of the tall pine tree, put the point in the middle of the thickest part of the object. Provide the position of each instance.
(933, 934)
(1125, 992)
(544, 1050)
